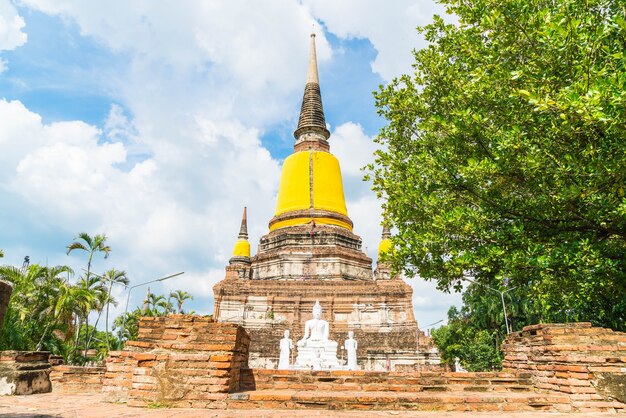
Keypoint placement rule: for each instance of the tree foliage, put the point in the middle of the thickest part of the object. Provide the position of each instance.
(477, 349)
(505, 155)
(49, 309)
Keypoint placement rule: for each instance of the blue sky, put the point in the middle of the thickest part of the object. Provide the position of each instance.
(156, 123)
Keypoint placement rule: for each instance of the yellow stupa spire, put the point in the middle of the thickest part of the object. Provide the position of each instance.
(311, 187)
(385, 244)
(241, 252)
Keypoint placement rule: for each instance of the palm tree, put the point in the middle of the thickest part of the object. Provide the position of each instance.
(38, 305)
(112, 277)
(155, 302)
(90, 245)
(64, 297)
(1, 253)
(180, 296)
(95, 298)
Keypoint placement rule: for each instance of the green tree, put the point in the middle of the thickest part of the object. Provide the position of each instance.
(112, 277)
(94, 300)
(90, 245)
(157, 305)
(477, 349)
(505, 155)
(127, 324)
(180, 296)
(40, 305)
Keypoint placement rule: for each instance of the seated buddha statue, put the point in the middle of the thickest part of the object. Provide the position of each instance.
(315, 350)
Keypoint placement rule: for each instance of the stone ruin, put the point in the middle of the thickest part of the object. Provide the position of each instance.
(587, 363)
(190, 361)
(24, 372)
(178, 361)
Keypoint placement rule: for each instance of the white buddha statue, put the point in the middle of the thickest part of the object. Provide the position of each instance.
(315, 349)
(316, 329)
(285, 350)
(351, 345)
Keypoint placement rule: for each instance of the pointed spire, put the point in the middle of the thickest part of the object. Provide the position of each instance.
(243, 231)
(241, 251)
(146, 301)
(385, 243)
(311, 75)
(312, 118)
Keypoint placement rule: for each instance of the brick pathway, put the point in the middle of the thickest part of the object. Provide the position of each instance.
(93, 406)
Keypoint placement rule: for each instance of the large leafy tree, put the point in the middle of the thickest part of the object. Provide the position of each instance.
(505, 155)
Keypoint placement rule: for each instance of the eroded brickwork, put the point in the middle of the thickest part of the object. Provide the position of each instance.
(585, 362)
(24, 372)
(77, 379)
(178, 361)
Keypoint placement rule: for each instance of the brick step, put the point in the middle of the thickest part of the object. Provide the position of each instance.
(418, 401)
(375, 381)
(374, 387)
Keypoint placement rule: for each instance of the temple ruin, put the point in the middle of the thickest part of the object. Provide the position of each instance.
(311, 253)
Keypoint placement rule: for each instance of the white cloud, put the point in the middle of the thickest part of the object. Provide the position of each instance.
(389, 26)
(11, 25)
(246, 56)
(164, 213)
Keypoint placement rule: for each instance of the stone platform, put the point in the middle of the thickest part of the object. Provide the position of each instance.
(361, 390)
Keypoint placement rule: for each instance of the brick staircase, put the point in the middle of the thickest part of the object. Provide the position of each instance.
(359, 390)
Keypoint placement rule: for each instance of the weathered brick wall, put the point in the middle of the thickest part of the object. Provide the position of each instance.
(178, 360)
(118, 377)
(24, 372)
(588, 363)
(77, 379)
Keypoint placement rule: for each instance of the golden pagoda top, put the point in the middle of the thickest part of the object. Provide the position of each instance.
(241, 251)
(311, 187)
(385, 243)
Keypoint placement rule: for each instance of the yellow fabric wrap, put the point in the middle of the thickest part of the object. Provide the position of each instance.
(293, 193)
(327, 183)
(242, 248)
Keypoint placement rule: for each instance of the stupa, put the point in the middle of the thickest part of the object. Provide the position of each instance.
(311, 253)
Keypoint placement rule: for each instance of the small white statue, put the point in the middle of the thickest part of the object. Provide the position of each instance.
(351, 345)
(458, 367)
(316, 329)
(286, 345)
